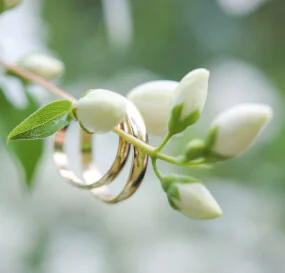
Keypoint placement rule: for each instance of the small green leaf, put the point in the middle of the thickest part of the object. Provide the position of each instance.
(44, 122)
(177, 125)
(27, 154)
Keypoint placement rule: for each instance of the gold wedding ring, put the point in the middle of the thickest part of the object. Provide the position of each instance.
(91, 177)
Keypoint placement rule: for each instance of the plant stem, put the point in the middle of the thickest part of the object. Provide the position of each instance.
(37, 79)
(157, 172)
(164, 142)
(151, 151)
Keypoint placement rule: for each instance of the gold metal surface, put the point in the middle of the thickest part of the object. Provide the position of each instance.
(91, 176)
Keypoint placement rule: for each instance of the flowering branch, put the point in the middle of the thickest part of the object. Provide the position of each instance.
(29, 76)
(167, 108)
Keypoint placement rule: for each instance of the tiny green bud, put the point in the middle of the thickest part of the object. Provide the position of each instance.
(233, 131)
(195, 149)
(8, 4)
(193, 200)
(154, 99)
(99, 111)
(42, 65)
(189, 100)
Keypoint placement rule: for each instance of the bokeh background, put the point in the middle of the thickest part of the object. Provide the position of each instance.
(118, 44)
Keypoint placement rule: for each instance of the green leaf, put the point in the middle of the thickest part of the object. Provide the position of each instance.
(26, 154)
(44, 122)
(177, 125)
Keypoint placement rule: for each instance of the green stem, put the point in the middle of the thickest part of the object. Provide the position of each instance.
(164, 142)
(151, 151)
(157, 172)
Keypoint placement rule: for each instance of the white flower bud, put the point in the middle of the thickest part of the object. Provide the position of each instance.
(154, 99)
(42, 65)
(8, 4)
(194, 200)
(233, 131)
(99, 111)
(189, 100)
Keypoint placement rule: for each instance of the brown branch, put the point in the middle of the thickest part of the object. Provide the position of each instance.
(38, 80)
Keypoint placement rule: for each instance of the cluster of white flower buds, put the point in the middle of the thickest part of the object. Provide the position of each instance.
(231, 133)
(168, 108)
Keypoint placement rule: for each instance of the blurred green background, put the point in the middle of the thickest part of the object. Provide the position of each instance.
(117, 44)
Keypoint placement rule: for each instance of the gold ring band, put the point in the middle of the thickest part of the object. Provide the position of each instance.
(91, 176)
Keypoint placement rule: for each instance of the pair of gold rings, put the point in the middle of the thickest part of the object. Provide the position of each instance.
(91, 177)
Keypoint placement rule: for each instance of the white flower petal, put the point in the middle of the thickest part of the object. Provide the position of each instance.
(195, 201)
(238, 127)
(154, 99)
(101, 110)
(192, 92)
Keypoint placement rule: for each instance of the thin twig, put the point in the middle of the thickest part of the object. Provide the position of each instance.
(37, 79)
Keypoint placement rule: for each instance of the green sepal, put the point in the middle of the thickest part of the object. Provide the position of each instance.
(84, 129)
(213, 158)
(209, 156)
(177, 125)
(211, 138)
(86, 92)
(173, 193)
(73, 113)
(172, 204)
(170, 179)
(44, 122)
